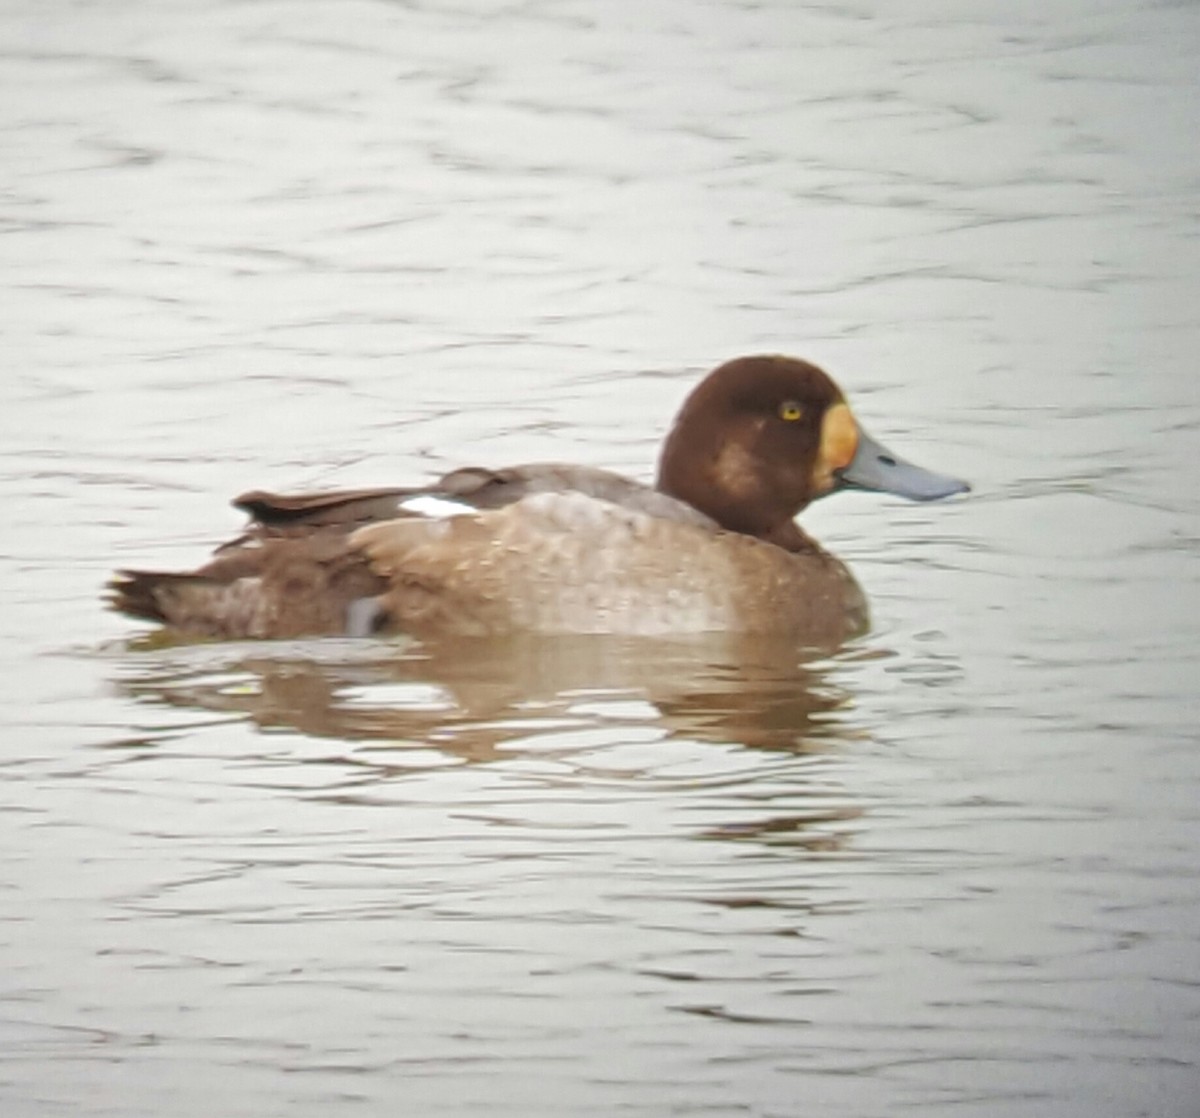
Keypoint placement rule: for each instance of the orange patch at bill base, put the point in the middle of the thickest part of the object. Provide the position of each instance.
(839, 438)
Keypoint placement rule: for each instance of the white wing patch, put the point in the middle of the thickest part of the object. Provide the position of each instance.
(437, 508)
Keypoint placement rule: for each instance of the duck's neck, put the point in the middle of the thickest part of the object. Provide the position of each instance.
(789, 536)
(785, 533)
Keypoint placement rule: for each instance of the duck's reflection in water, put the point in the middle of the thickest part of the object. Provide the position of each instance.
(481, 701)
(475, 697)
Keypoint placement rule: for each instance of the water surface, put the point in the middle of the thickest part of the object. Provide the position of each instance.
(287, 245)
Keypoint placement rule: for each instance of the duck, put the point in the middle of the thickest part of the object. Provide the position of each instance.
(554, 548)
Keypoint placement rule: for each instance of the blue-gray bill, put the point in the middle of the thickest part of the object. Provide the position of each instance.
(876, 468)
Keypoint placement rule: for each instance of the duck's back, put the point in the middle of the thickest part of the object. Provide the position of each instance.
(295, 572)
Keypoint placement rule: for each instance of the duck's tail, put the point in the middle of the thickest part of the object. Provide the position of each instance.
(231, 599)
(194, 604)
(135, 593)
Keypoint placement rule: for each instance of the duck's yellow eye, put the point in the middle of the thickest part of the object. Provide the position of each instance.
(790, 410)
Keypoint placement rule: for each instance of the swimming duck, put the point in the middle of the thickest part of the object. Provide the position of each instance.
(557, 548)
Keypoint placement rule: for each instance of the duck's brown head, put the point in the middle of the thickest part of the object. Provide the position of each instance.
(761, 437)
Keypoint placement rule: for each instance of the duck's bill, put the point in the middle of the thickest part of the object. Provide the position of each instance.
(876, 468)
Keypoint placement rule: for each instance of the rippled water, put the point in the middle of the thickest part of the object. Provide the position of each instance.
(284, 244)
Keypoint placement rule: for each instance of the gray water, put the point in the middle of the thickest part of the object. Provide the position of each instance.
(272, 243)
